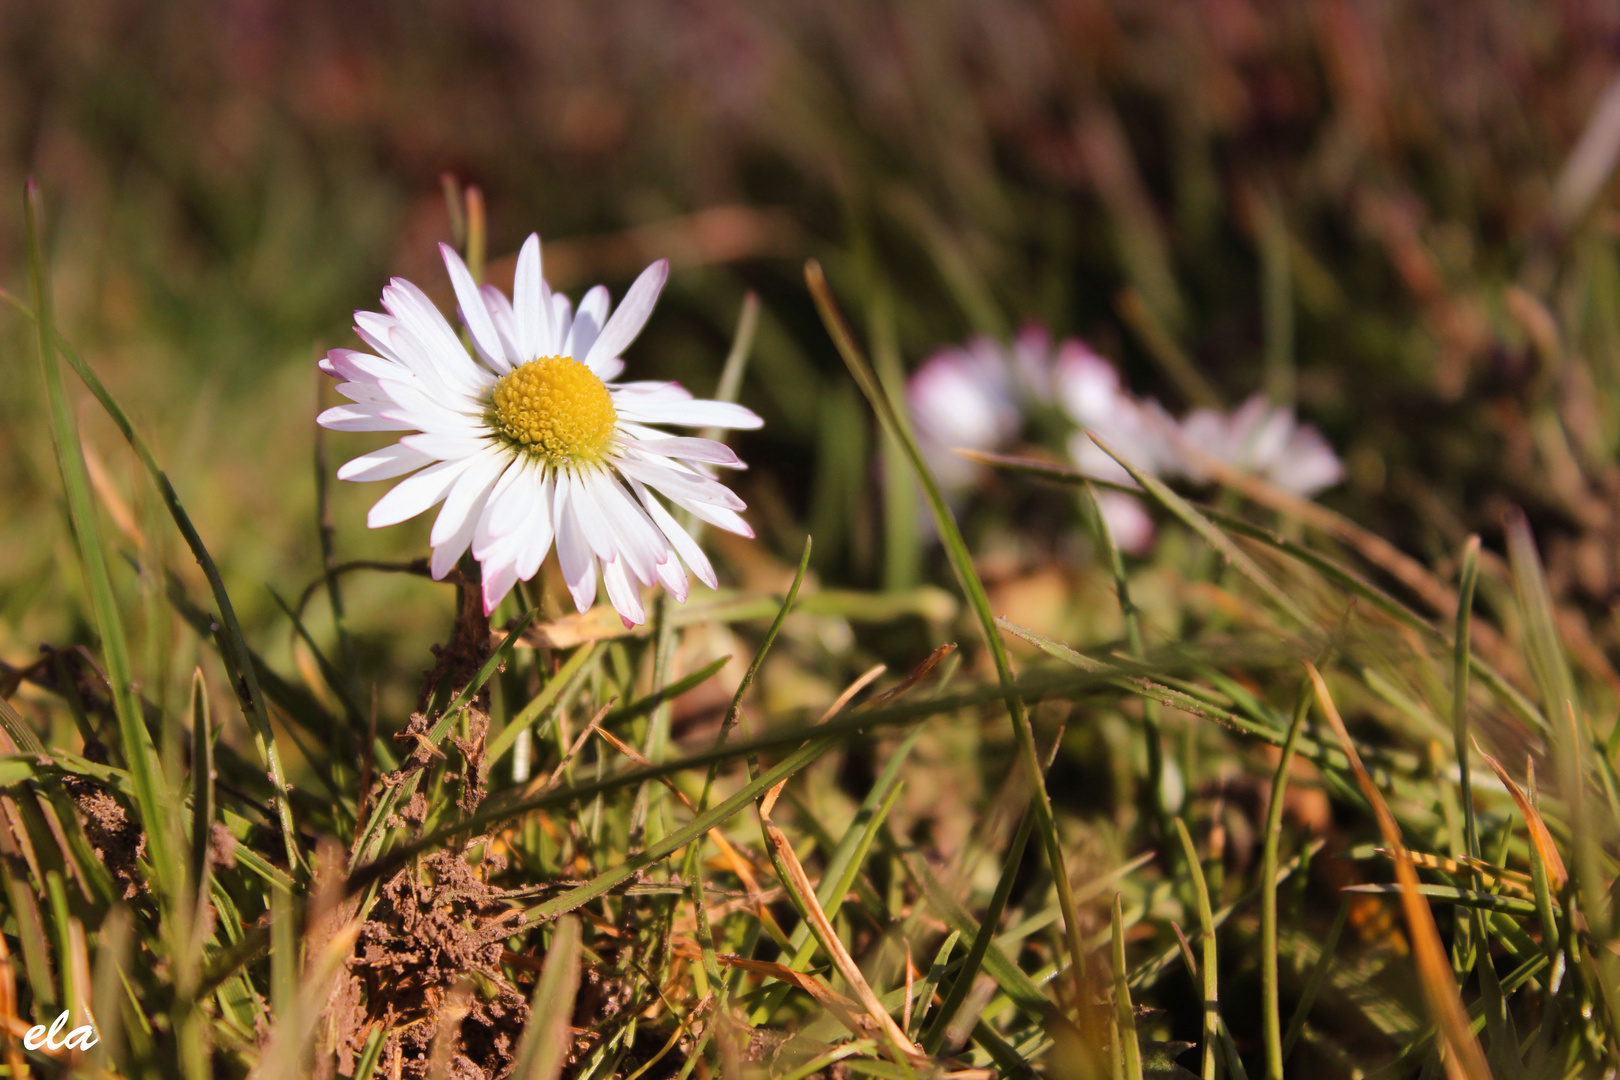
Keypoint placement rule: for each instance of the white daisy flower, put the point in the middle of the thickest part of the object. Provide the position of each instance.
(963, 398)
(974, 397)
(1265, 440)
(528, 440)
(1088, 387)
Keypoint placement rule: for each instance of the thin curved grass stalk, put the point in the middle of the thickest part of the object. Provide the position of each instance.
(141, 755)
(1590, 823)
(962, 563)
(1270, 1006)
(1464, 1060)
(1128, 1053)
(543, 1050)
(844, 865)
(984, 933)
(1212, 953)
(559, 688)
(1466, 581)
(232, 646)
(1151, 733)
(1316, 980)
(1211, 534)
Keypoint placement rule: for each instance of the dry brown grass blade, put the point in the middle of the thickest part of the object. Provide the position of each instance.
(918, 674)
(537, 785)
(1557, 874)
(828, 935)
(849, 1013)
(9, 1020)
(1464, 1059)
(1508, 879)
(768, 802)
(811, 985)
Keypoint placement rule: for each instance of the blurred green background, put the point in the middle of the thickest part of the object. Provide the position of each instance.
(1374, 209)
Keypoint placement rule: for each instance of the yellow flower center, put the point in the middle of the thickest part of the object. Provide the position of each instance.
(554, 408)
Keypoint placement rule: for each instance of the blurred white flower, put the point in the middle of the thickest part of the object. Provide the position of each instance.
(528, 440)
(963, 398)
(1088, 389)
(975, 397)
(1266, 441)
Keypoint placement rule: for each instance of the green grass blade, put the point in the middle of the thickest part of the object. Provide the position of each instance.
(647, 703)
(700, 825)
(931, 979)
(1210, 968)
(1316, 980)
(983, 934)
(1214, 537)
(544, 1048)
(139, 752)
(1468, 898)
(1133, 635)
(844, 866)
(962, 563)
(1270, 1006)
(202, 786)
(559, 688)
(232, 646)
(1467, 579)
(1571, 738)
(1128, 1052)
(1345, 578)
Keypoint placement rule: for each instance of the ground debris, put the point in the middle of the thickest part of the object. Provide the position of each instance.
(116, 839)
(434, 925)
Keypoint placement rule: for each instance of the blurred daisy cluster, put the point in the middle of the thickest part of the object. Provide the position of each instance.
(984, 396)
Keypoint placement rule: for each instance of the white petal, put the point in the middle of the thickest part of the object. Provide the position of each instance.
(504, 318)
(719, 516)
(674, 579)
(498, 581)
(384, 464)
(656, 388)
(676, 482)
(694, 413)
(415, 493)
(591, 517)
(622, 593)
(533, 316)
(537, 534)
(432, 335)
(625, 323)
(355, 365)
(687, 449)
(532, 484)
(480, 327)
(484, 542)
(448, 553)
(444, 446)
(466, 499)
(573, 553)
(360, 418)
(608, 370)
(588, 320)
(561, 323)
(367, 392)
(636, 537)
(679, 538)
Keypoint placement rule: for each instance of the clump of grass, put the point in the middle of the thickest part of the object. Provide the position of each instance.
(536, 871)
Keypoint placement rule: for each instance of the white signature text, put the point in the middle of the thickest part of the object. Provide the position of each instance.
(80, 1038)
